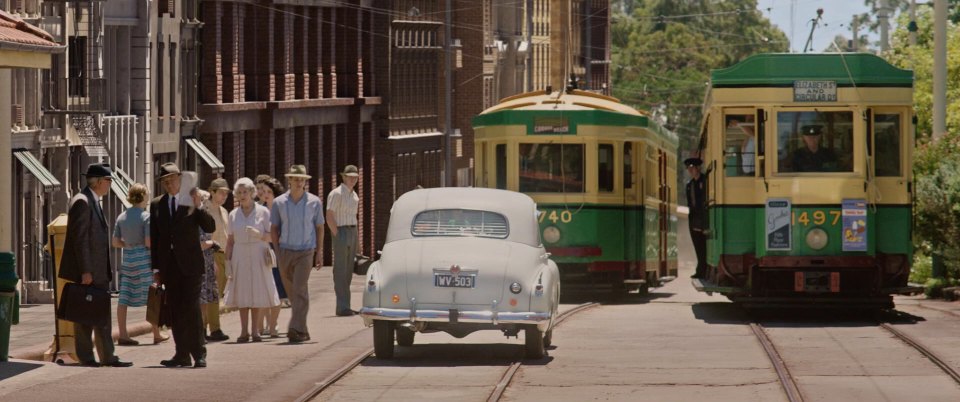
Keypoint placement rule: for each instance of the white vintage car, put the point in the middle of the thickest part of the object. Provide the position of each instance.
(460, 260)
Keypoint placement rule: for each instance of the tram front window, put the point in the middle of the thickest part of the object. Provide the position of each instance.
(551, 168)
(886, 129)
(815, 141)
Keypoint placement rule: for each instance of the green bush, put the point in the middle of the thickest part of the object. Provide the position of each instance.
(921, 269)
(937, 201)
(934, 287)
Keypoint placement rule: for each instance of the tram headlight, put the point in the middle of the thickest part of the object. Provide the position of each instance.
(551, 234)
(817, 238)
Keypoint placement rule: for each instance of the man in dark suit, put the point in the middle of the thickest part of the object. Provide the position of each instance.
(696, 201)
(86, 260)
(178, 263)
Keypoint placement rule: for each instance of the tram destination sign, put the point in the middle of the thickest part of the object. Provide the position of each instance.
(551, 125)
(814, 91)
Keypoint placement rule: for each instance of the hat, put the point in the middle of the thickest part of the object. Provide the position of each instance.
(98, 170)
(168, 169)
(298, 171)
(219, 184)
(692, 162)
(351, 171)
(812, 130)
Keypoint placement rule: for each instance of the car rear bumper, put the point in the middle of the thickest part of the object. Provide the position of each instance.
(541, 320)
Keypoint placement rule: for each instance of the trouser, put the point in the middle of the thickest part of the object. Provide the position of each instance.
(344, 252)
(295, 267)
(213, 309)
(103, 336)
(184, 299)
(700, 246)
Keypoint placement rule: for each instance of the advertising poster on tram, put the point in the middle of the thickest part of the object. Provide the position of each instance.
(854, 225)
(778, 224)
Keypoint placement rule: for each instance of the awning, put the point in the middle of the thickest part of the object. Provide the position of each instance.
(121, 185)
(208, 157)
(36, 168)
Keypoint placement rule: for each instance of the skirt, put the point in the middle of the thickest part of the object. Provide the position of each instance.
(135, 276)
(209, 291)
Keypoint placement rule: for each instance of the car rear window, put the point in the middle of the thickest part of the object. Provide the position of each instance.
(460, 222)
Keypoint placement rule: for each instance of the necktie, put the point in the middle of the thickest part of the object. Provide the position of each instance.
(173, 205)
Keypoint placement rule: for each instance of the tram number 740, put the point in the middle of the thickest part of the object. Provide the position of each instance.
(564, 216)
(816, 217)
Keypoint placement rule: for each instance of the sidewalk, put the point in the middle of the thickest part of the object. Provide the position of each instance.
(270, 370)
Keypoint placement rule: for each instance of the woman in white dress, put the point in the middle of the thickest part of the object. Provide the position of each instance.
(250, 284)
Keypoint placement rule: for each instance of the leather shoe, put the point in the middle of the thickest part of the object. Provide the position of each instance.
(117, 363)
(217, 336)
(175, 362)
(295, 336)
(345, 313)
(200, 363)
(91, 363)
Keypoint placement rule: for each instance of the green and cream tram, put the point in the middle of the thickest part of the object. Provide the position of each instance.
(604, 179)
(808, 160)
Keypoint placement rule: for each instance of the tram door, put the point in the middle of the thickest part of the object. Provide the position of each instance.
(664, 209)
(633, 214)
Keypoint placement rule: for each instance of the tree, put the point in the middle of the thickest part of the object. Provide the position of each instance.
(664, 51)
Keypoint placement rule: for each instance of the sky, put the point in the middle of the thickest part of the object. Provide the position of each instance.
(836, 20)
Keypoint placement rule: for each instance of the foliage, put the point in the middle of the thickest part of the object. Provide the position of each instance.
(664, 50)
(921, 269)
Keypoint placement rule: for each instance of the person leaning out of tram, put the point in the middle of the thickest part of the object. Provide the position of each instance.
(696, 201)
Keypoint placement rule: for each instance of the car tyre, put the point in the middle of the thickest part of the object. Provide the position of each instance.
(548, 339)
(383, 339)
(534, 343)
(405, 336)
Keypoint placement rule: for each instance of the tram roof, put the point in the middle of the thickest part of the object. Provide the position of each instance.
(581, 107)
(782, 69)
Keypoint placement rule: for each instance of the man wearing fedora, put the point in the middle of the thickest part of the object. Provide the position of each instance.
(178, 263)
(342, 206)
(297, 232)
(86, 259)
(696, 201)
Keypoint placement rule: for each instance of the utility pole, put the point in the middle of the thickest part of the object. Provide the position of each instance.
(529, 72)
(912, 27)
(883, 16)
(814, 22)
(559, 26)
(448, 102)
(939, 69)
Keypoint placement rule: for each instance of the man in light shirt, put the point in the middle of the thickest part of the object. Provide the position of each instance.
(297, 231)
(342, 206)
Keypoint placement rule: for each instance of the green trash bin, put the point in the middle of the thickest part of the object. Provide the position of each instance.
(9, 302)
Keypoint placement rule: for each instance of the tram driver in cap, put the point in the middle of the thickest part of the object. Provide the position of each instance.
(696, 201)
(812, 157)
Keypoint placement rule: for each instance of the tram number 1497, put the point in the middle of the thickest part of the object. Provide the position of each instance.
(564, 216)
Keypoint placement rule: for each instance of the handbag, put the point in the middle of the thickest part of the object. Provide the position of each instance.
(361, 264)
(158, 311)
(84, 304)
(269, 258)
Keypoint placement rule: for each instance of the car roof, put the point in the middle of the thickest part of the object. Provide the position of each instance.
(518, 208)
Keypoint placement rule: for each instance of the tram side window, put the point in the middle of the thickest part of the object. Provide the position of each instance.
(815, 141)
(551, 168)
(501, 168)
(887, 143)
(740, 144)
(627, 165)
(605, 168)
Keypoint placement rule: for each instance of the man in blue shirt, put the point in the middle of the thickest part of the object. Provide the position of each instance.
(297, 231)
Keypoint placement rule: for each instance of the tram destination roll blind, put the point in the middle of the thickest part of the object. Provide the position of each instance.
(814, 91)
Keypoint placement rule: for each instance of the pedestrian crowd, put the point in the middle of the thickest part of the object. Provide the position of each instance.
(255, 258)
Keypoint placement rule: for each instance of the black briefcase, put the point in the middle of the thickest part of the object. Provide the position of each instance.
(84, 304)
(361, 264)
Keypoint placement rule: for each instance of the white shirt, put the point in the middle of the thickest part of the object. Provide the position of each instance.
(748, 157)
(344, 203)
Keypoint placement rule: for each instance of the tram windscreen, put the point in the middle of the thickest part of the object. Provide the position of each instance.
(551, 168)
(886, 129)
(813, 141)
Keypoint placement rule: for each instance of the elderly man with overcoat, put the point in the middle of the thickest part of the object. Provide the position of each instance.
(178, 263)
(86, 260)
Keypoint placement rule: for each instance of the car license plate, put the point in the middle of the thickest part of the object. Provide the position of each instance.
(451, 281)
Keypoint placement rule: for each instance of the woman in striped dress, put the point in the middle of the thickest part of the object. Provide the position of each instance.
(132, 234)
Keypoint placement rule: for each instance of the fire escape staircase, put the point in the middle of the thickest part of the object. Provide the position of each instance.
(91, 137)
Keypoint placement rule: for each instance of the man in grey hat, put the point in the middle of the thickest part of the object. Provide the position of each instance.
(178, 263)
(342, 206)
(297, 231)
(86, 259)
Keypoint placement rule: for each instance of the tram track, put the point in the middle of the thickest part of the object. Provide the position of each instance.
(925, 351)
(495, 395)
(514, 367)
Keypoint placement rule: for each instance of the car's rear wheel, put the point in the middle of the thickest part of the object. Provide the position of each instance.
(534, 343)
(383, 339)
(548, 339)
(405, 336)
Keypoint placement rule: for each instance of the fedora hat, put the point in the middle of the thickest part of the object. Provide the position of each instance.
(350, 170)
(168, 169)
(812, 130)
(218, 184)
(298, 171)
(98, 170)
(692, 162)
